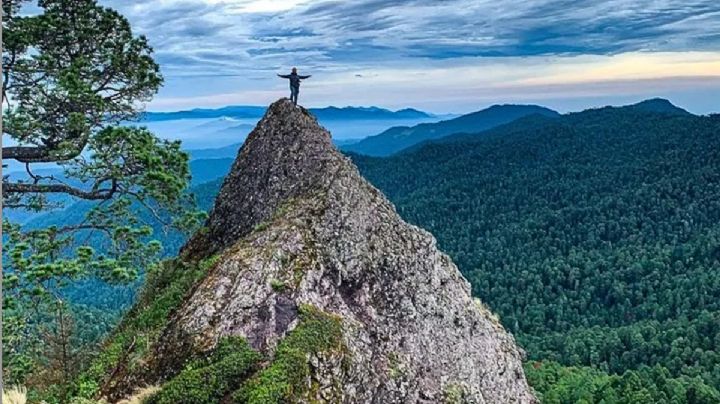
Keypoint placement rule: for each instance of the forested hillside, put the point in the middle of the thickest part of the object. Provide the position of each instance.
(596, 236)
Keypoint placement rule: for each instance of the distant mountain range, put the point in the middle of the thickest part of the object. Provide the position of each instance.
(401, 137)
(539, 122)
(361, 113)
(328, 113)
(230, 151)
(238, 112)
(220, 124)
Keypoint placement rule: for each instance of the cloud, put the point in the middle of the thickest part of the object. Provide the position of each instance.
(329, 34)
(218, 50)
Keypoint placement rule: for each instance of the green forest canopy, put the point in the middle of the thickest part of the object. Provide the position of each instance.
(596, 237)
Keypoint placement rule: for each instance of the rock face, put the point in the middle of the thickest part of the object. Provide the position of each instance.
(295, 224)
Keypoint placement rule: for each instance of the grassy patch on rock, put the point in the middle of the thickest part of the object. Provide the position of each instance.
(284, 380)
(208, 381)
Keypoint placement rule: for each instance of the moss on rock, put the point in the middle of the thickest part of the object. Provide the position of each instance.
(208, 381)
(454, 393)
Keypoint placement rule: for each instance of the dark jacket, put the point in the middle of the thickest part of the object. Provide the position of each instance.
(294, 79)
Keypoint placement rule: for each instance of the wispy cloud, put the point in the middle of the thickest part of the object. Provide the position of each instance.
(240, 42)
(329, 34)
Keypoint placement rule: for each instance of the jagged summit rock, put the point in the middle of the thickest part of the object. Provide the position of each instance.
(288, 154)
(296, 226)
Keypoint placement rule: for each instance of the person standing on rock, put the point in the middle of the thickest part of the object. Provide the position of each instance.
(294, 83)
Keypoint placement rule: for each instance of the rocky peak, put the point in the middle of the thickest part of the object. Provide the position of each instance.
(294, 227)
(287, 154)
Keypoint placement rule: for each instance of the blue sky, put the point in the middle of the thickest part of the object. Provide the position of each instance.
(438, 55)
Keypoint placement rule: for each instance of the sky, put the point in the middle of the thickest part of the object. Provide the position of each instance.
(443, 56)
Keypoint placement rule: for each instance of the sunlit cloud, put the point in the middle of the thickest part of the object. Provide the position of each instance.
(630, 66)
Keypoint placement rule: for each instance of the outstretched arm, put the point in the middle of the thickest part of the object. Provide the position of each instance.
(305, 77)
(285, 76)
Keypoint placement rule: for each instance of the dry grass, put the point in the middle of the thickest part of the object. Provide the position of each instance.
(493, 317)
(140, 395)
(14, 395)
